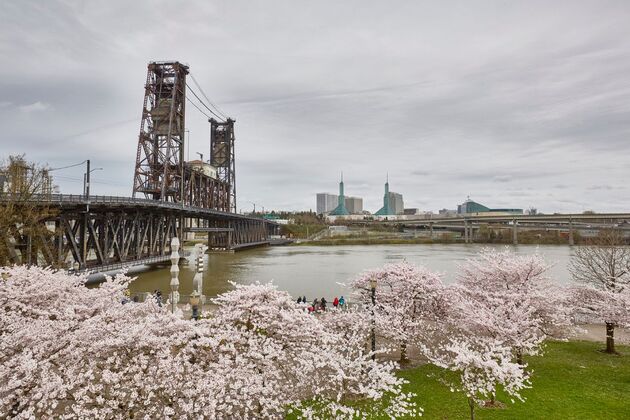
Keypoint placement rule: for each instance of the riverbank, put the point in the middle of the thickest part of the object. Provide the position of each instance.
(408, 241)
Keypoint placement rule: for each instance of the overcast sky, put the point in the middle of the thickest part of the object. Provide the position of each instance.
(516, 104)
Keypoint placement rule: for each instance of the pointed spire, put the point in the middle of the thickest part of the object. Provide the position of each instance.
(341, 176)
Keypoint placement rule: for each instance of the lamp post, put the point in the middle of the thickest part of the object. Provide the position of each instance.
(194, 303)
(373, 289)
(86, 181)
(174, 273)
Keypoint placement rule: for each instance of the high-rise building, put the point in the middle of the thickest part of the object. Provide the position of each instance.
(326, 202)
(396, 205)
(354, 205)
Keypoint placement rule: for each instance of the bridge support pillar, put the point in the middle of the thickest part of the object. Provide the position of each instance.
(466, 240)
(431, 230)
(514, 232)
(571, 240)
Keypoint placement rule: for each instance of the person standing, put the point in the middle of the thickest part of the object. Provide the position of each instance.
(323, 301)
(336, 302)
(315, 304)
(300, 300)
(342, 302)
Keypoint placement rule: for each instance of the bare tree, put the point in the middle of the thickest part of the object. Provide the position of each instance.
(604, 263)
(22, 216)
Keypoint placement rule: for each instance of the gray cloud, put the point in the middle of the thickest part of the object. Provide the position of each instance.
(509, 103)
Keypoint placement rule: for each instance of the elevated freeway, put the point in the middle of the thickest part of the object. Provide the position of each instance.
(469, 224)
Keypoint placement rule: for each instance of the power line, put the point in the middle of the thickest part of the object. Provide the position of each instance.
(97, 129)
(208, 99)
(203, 103)
(199, 109)
(66, 167)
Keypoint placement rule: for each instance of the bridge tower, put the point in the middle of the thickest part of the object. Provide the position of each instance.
(159, 172)
(222, 156)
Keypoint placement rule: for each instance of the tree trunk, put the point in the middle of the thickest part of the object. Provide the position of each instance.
(471, 404)
(519, 357)
(403, 352)
(610, 338)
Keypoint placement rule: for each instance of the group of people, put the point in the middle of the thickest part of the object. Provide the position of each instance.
(320, 304)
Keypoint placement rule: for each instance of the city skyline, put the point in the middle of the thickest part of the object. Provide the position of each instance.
(515, 105)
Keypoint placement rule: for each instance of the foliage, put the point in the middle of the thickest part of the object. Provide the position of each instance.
(604, 262)
(509, 298)
(301, 230)
(20, 218)
(73, 352)
(483, 366)
(411, 303)
(604, 266)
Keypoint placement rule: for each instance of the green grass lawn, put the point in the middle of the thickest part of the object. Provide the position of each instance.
(570, 381)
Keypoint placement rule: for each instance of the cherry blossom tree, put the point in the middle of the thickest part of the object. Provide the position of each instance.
(305, 359)
(600, 306)
(510, 298)
(411, 303)
(72, 352)
(604, 265)
(483, 365)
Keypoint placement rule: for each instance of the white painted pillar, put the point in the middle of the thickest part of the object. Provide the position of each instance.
(174, 273)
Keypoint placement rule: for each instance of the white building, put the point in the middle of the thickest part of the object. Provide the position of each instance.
(205, 167)
(326, 202)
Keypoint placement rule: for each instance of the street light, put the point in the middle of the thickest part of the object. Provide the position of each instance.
(373, 289)
(86, 190)
(174, 273)
(194, 303)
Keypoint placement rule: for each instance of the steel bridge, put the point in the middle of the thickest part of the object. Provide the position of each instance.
(170, 196)
(102, 233)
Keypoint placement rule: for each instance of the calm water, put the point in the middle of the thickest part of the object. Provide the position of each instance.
(320, 271)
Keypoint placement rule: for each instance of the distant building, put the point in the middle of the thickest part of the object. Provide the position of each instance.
(354, 205)
(341, 209)
(392, 203)
(396, 204)
(411, 212)
(326, 202)
(472, 207)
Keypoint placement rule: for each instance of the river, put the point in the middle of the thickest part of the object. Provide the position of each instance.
(317, 271)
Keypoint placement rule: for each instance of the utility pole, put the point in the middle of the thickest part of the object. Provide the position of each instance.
(86, 217)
